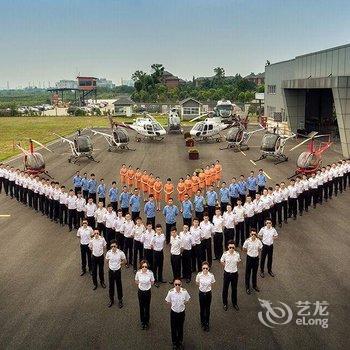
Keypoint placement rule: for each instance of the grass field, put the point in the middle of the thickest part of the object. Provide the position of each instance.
(20, 129)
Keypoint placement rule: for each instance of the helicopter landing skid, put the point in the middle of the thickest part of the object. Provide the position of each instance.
(282, 160)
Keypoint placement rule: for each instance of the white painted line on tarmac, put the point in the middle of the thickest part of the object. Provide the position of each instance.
(252, 161)
(243, 153)
(5, 215)
(267, 175)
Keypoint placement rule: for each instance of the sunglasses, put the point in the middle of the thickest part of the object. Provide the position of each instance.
(113, 246)
(177, 284)
(144, 266)
(231, 247)
(205, 268)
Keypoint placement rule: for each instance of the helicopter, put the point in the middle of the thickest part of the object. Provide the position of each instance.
(148, 128)
(208, 130)
(174, 122)
(81, 146)
(34, 162)
(118, 139)
(310, 160)
(238, 137)
(272, 145)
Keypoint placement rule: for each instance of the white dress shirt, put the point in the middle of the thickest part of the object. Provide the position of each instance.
(158, 242)
(72, 202)
(293, 191)
(115, 259)
(252, 246)
(128, 228)
(207, 229)
(97, 245)
(85, 234)
(313, 182)
(258, 206)
(205, 281)
(146, 239)
(175, 245)
(267, 235)
(196, 234)
(230, 261)
(138, 232)
(229, 219)
(81, 204)
(249, 209)
(90, 209)
(285, 193)
(109, 219)
(239, 213)
(218, 222)
(186, 240)
(144, 279)
(100, 215)
(177, 299)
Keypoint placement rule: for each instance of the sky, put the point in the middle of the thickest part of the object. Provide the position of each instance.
(46, 40)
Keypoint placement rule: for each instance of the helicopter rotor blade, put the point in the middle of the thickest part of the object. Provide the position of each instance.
(300, 144)
(41, 145)
(199, 117)
(22, 149)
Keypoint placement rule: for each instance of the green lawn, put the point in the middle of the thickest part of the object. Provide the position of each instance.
(20, 129)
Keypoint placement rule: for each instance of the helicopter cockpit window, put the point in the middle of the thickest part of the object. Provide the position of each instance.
(84, 144)
(156, 127)
(198, 127)
(210, 127)
(269, 142)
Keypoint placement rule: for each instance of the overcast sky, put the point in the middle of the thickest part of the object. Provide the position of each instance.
(45, 40)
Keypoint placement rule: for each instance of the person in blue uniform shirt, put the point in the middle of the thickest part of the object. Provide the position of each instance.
(135, 205)
(252, 183)
(199, 205)
(212, 200)
(224, 197)
(101, 192)
(113, 196)
(92, 187)
(150, 211)
(261, 179)
(242, 189)
(170, 213)
(233, 192)
(124, 200)
(77, 182)
(187, 209)
(85, 186)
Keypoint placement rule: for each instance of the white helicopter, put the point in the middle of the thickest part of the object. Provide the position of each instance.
(272, 145)
(238, 137)
(174, 121)
(118, 139)
(148, 128)
(81, 147)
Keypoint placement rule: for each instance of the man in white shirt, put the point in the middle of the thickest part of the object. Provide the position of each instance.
(157, 244)
(2, 175)
(249, 214)
(196, 234)
(293, 200)
(177, 297)
(97, 245)
(90, 209)
(285, 196)
(229, 261)
(239, 213)
(6, 173)
(11, 178)
(99, 218)
(139, 230)
(313, 184)
(146, 240)
(258, 209)
(330, 181)
(175, 254)
(207, 231)
(115, 258)
(109, 219)
(320, 182)
(72, 209)
(306, 192)
(118, 228)
(36, 184)
(278, 198)
(81, 202)
(218, 226)
(85, 234)
(267, 235)
(128, 231)
(56, 202)
(229, 224)
(186, 246)
(252, 246)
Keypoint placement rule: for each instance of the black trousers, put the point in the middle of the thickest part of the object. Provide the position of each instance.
(148, 255)
(97, 262)
(314, 194)
(326, 190)
(230, 278)
(80, 217)
(330, 188)
(102, 228)
(158, 260)
(233, 201)
(125, 211)
(77, 189)
(307, 200)
(261, 189)
(120, 239)
(138, 253)
(240, 233)
(6, 186)
(72, 218)
(278, 212)
(186, 264)
(56, 210)
(249, 224)
(196, 257)
(168, 230)
(85, 256)
(206, 251)
(177, 320)
(259, 220)
(187, 221)
(267, 250)
(11, 187)
(151, 221)
(272, 214)
(218, 248)
(144, 303)
(339, 184)
(211, 212)
(128, 249)
(301, 203)
(114, 206)
(204, 305)
(91, 221)
(223, 206)
(320, 194)
(200, 215)
(35, 201)
(293, 207)
(30, 198)
(285, 210)
(86, 195)
(115, 278)
(229, 233)
(252, 193)
(110, 234)
(176, 265)
(135, 215)
(42, 203)
(251, 268)
(1, 183)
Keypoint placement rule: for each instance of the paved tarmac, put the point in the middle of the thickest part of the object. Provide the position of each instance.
(45, 304)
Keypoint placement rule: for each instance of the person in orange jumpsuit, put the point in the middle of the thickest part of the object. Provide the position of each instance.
(158, 189)
(123, 174)
(188, 185)
(168, 190)
(195, 183)
(144, 183)
(138, 175)
(218, 175)
(208, 180)
(151, 181)
(201, 176)
(213, 175)
(131, 177)
(181, 190)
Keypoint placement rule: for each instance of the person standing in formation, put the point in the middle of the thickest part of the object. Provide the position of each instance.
(92, 187)
(229, 261)
(267, 235)
(186, 210)
(150, 211)
(168, 190)
(278, 198)
(285, 195)
(212, 201)
(207, 229)
(195, 183)
(130, 177)
(135, 205)
(144, 279)
(181, 190)
(196, 234)
(188, 185)
(138, 176)
(77, 182)
(158, 189)
(199, 205)
(234, 193)
(205, 280)
(101, 192)
(249, 214)
(90, 209)
(218, 173)
(252, 184)
(229, 224)
(85, 186)
(128, 230)
(116, 258)
(109, 220)
(97, 245)
(113, 196)
(252, 246)
(124, 200)
(63, 211)
(100, 218)
(239, 213)
(144, 185)
(293, 201)
(157, 244)
(170, 213)
(224, 197)
(118, 228)
(186, 246)
(175, 254)
(72, 210)
(261, 181)
(85, 234)
(177, 298)
(138, 232)
(151, 181)
(147, 245)
(123, 174)
(218, 224)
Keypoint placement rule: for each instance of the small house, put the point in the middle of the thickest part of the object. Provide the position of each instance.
(190, 108)
(123, 106)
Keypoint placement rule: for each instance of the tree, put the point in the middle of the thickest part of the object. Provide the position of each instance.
(138, 75)
(219, 73)
(261, 88)
(158, 72)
